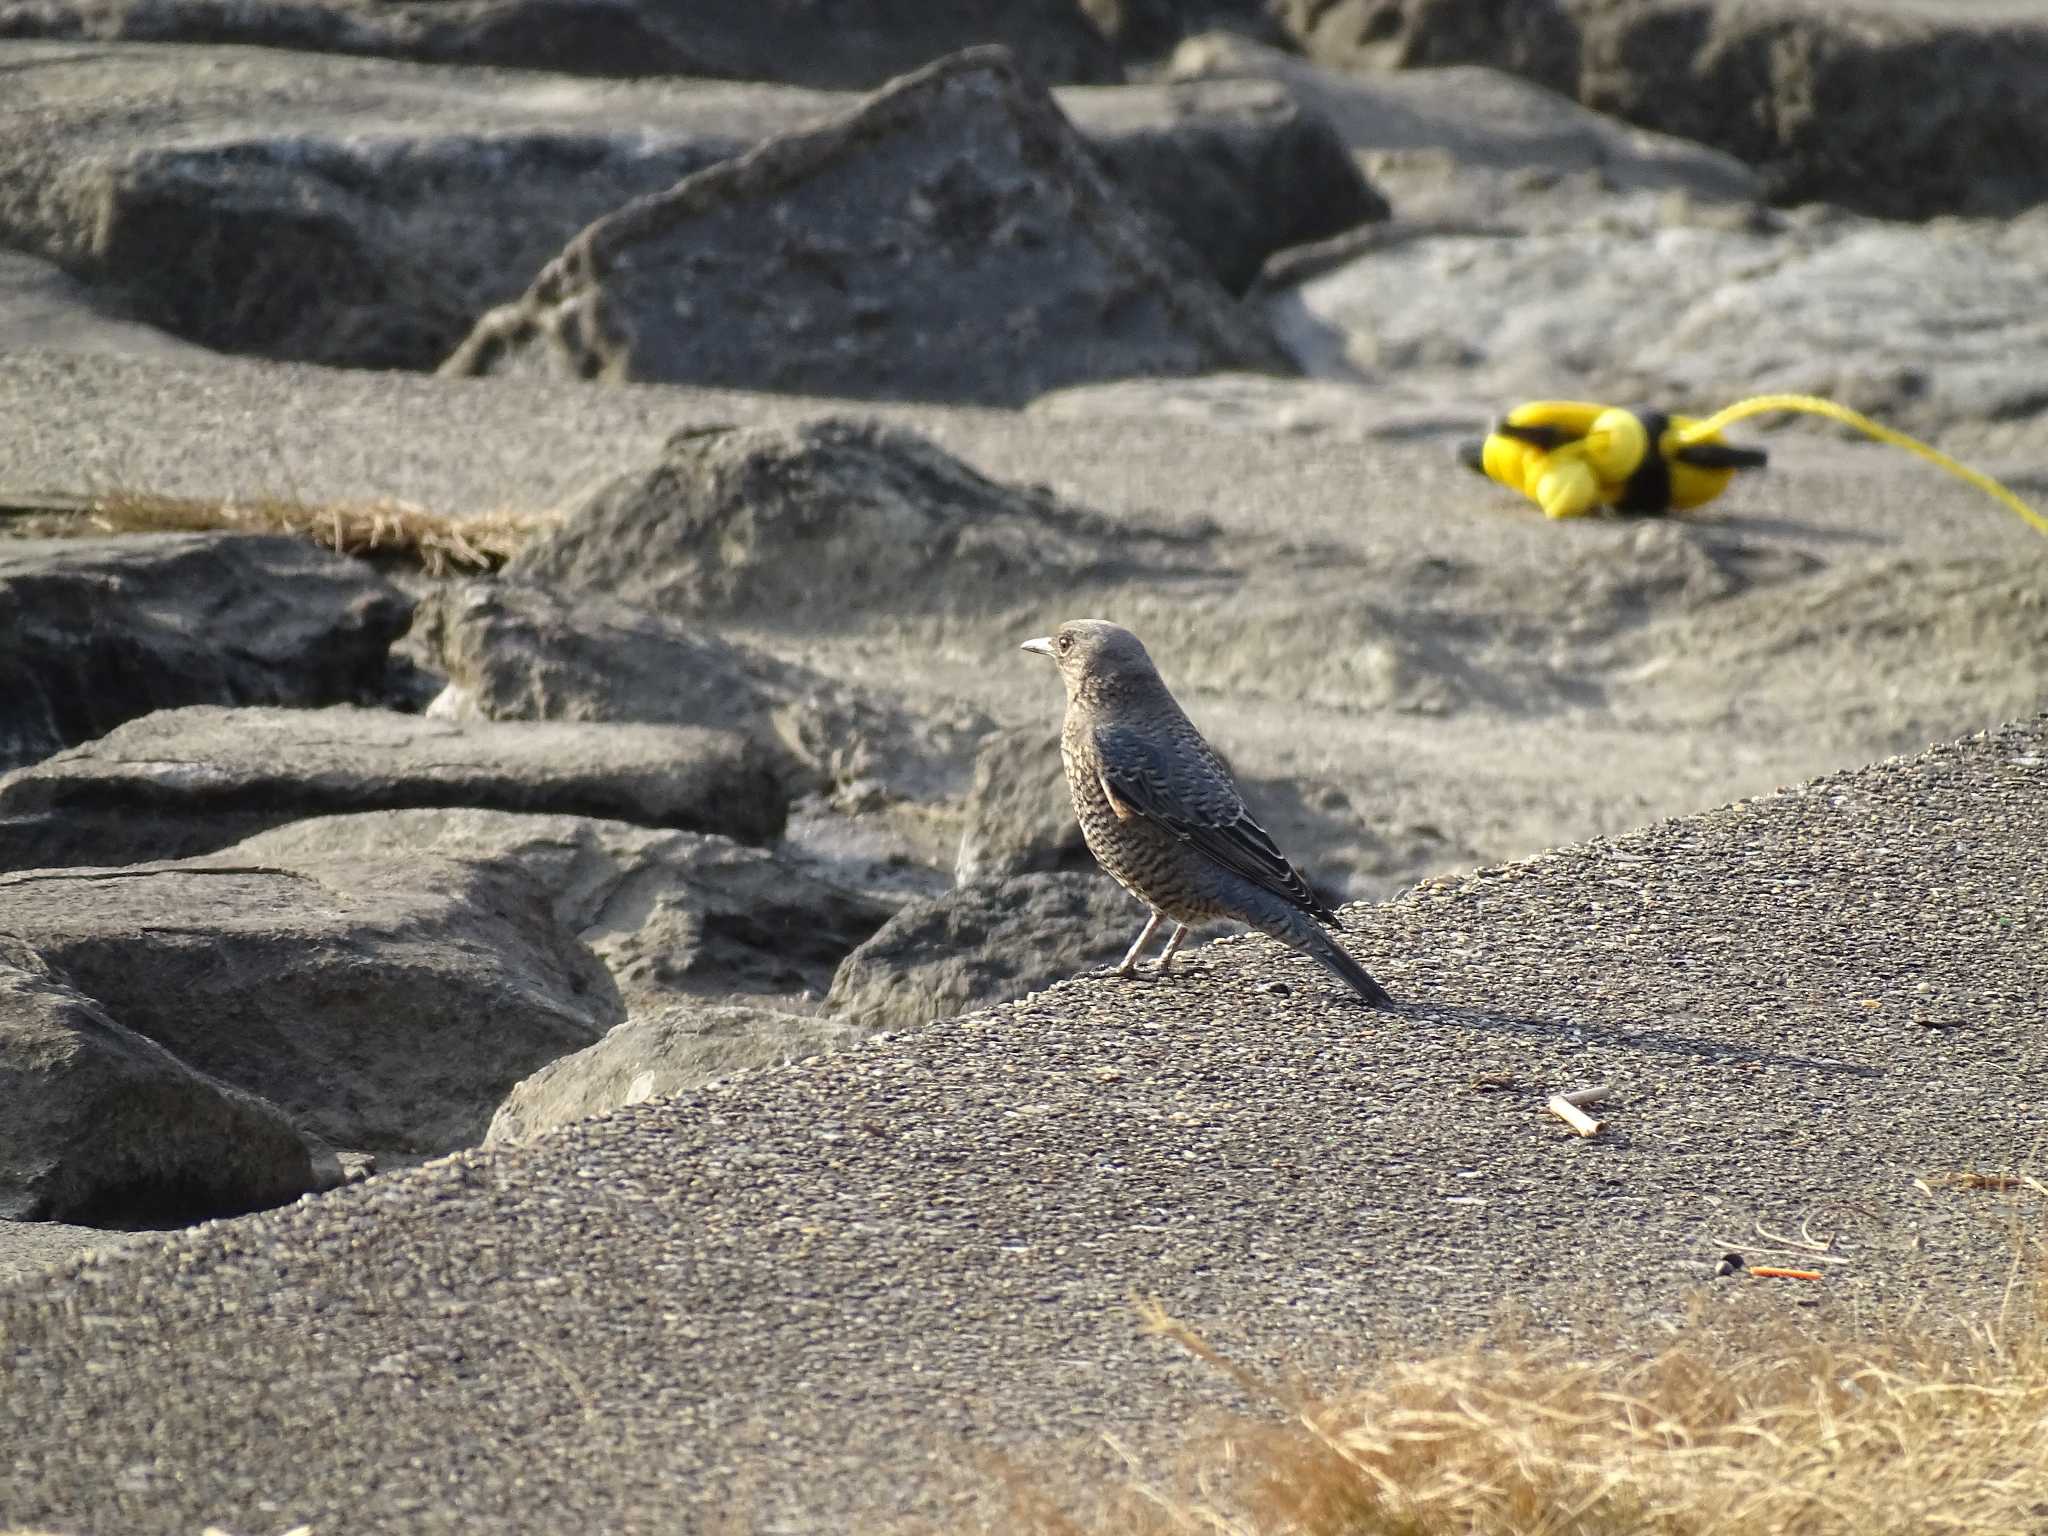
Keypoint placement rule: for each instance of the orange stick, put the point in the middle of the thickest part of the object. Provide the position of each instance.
(1764, 1272)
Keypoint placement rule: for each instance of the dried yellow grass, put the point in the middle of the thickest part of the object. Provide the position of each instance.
(437, 543)
(1780, 1435)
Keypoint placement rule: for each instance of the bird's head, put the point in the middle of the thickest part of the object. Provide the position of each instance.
(1097, 659)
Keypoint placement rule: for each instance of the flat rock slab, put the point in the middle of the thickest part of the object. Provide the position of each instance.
(852, 46)
(94, 632)
(204, 777)
(671, 914)
(381, 1005)
(1901, 108)
(655, 1055)
(44, 307)
(99, 1125)
(951, 238)
(948, 1228)
(365, 213)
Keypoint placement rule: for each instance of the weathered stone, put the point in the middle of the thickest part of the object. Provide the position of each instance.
(814, 526)
(1239, 169)
(44, 307)
(1464, 142)
(669, 913)
(951, 238)
(1922, 326)
(189, 780)
(1891, 107)
(99, 1126)
(381, 1004)
(851, 46)
(980, 944)
(672, 1050)
(1145, 29)
(94, 632)
(1019, 815)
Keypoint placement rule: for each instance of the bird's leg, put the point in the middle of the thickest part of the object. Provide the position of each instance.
(1180, 937)
(1131, 959)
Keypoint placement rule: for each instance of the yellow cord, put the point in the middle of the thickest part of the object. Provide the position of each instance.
(1813, 405)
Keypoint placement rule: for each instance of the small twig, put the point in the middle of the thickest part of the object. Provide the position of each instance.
(1585, 1096)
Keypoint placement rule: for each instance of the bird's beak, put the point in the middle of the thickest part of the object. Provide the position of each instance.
(1041, 646)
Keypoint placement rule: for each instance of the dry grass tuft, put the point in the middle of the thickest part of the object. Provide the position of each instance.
(438, 544)
(1781, 1435)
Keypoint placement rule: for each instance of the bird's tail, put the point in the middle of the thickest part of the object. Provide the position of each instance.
(1335, 959)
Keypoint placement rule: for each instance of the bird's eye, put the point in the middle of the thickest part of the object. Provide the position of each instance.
(1064, 644)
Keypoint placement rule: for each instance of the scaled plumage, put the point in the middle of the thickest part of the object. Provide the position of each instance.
(1160, 811)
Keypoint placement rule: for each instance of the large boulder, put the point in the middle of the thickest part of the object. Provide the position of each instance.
(823, 525)
(671, 914)
(1466, 142)
(100, 1126)
(669, 1051)
(514, 650)
(981, 944)
(190, 780)
(94, 632)
(854, 45)
(1924, 327)
(952, 238)
(383, 1005)
(1896, 109)
(1018, 817)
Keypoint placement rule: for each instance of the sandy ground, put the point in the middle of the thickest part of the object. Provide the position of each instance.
(825, 1297)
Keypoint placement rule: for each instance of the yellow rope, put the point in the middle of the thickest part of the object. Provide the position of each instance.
(1813, 405)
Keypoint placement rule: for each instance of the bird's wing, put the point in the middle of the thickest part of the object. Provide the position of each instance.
(1183, 787)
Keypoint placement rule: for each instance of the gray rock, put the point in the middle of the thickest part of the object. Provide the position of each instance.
(515, 651)
(99, 1126)
(1240, 168)
(1146, 29)
(189, 780)
(654, 1055)
(951, 238)
(1923, 326)
(812, 527)
(44, 307)
(1893, 107)
(981, 944)
(850, 46)
(1468, 142)
(382, 1005)
(669, 913)
(94, 632)
(1019, 817)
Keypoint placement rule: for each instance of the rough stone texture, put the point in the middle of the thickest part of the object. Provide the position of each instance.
(980, 944)
(654, 1055)
(512, 650)
(1239, 169)
(1925, 328)
(1019, 818)
(948, 1228)
(669, 913)
(190, 780)
(849, 46)
(1468, 143)
(816, 526)
(44, 307)
(382, 1005)
(1901, 108)
(951, 238)
(1145, 29)
(99, 1126)
(94, 632)
(358, 212)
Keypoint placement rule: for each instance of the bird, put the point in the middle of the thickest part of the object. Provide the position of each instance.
(1161, 814)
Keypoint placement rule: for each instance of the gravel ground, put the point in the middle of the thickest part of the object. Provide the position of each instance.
(814, 1299)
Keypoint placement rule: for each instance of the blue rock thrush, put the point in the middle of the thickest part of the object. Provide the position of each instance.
(1161, 815)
